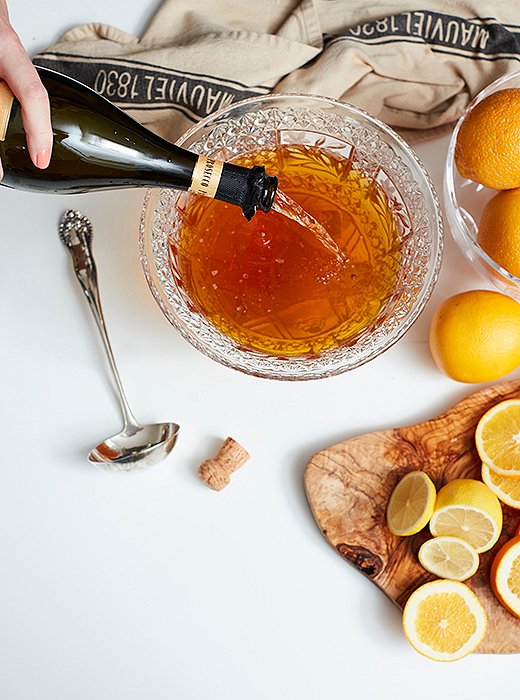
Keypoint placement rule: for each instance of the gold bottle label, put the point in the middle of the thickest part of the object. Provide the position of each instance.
(6, 103)
(206, 176)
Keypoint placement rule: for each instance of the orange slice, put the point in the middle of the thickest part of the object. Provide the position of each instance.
(506, 488)
(444, 620)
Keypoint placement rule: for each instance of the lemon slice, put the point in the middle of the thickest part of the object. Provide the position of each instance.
(411, 504)
(498, 438)
(506, 488)
(444, 620)
(505, 576)
(449, 557)
(468, 509)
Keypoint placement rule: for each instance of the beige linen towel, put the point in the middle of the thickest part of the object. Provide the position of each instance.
(414, 67)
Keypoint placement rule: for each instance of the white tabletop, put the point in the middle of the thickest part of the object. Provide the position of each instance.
(153, 586)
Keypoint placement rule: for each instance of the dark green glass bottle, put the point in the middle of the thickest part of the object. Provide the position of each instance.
(97, 146)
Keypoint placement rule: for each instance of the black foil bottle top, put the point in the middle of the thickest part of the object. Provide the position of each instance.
(250, 188)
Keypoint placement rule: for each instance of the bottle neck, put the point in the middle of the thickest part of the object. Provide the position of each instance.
(6, 104)
(206, 176)
(249, 188)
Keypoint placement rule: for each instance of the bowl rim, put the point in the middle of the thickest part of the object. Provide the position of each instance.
(452, 206)
(430, 278)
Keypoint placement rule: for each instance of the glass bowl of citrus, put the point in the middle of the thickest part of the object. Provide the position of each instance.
(482, 184)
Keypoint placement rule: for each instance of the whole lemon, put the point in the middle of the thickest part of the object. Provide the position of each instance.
(488, 143)
(499, 230)
(475, 336)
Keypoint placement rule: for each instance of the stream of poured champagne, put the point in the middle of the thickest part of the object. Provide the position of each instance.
(286, 206)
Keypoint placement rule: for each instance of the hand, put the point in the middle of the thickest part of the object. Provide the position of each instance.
(19, 73)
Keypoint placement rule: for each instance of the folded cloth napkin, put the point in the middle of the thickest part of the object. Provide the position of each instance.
(414, 68)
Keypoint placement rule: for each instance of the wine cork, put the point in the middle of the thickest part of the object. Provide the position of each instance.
(6, 103)
(206, 176)
(215, 472)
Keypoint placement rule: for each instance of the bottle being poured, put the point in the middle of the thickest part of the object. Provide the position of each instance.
(98, 146)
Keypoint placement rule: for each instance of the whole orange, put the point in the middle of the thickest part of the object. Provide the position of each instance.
(499, 230)
(488, 143)
(475, 336)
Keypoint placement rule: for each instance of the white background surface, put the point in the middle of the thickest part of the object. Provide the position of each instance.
(152, 586)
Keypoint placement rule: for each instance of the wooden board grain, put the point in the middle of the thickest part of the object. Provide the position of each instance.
(348, 486)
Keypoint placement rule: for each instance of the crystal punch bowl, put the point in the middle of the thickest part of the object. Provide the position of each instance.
(377, 151)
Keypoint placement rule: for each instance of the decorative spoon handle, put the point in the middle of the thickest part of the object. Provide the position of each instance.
(75, 232)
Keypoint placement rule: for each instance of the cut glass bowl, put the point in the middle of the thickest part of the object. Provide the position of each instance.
(266, 121)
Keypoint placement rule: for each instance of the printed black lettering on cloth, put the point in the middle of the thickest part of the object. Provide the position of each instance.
(456, 34)
(144, 86)
(414, 68)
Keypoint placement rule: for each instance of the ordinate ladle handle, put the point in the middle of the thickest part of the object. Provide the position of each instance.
(75, 232)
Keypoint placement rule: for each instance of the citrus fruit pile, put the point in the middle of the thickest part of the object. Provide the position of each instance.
(475, 336)
(443, 619)
(488, 152)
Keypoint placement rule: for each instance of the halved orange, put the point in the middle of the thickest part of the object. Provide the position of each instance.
(498, 438)
(411, 504)
(505, 576)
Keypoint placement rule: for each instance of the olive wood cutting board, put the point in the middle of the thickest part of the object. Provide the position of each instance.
(348, 486)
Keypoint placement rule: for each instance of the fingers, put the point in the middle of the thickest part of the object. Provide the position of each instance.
(21, 76)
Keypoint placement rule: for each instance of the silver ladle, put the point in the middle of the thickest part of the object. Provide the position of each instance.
(136, 446)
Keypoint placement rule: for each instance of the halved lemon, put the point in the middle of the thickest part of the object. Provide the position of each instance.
(498, 438)
(505, 576)
(449, 557)
(444, 620)
(506, 488)
(468, 509)
(411, 504)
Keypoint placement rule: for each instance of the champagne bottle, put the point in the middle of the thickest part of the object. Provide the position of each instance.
(98, 146)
